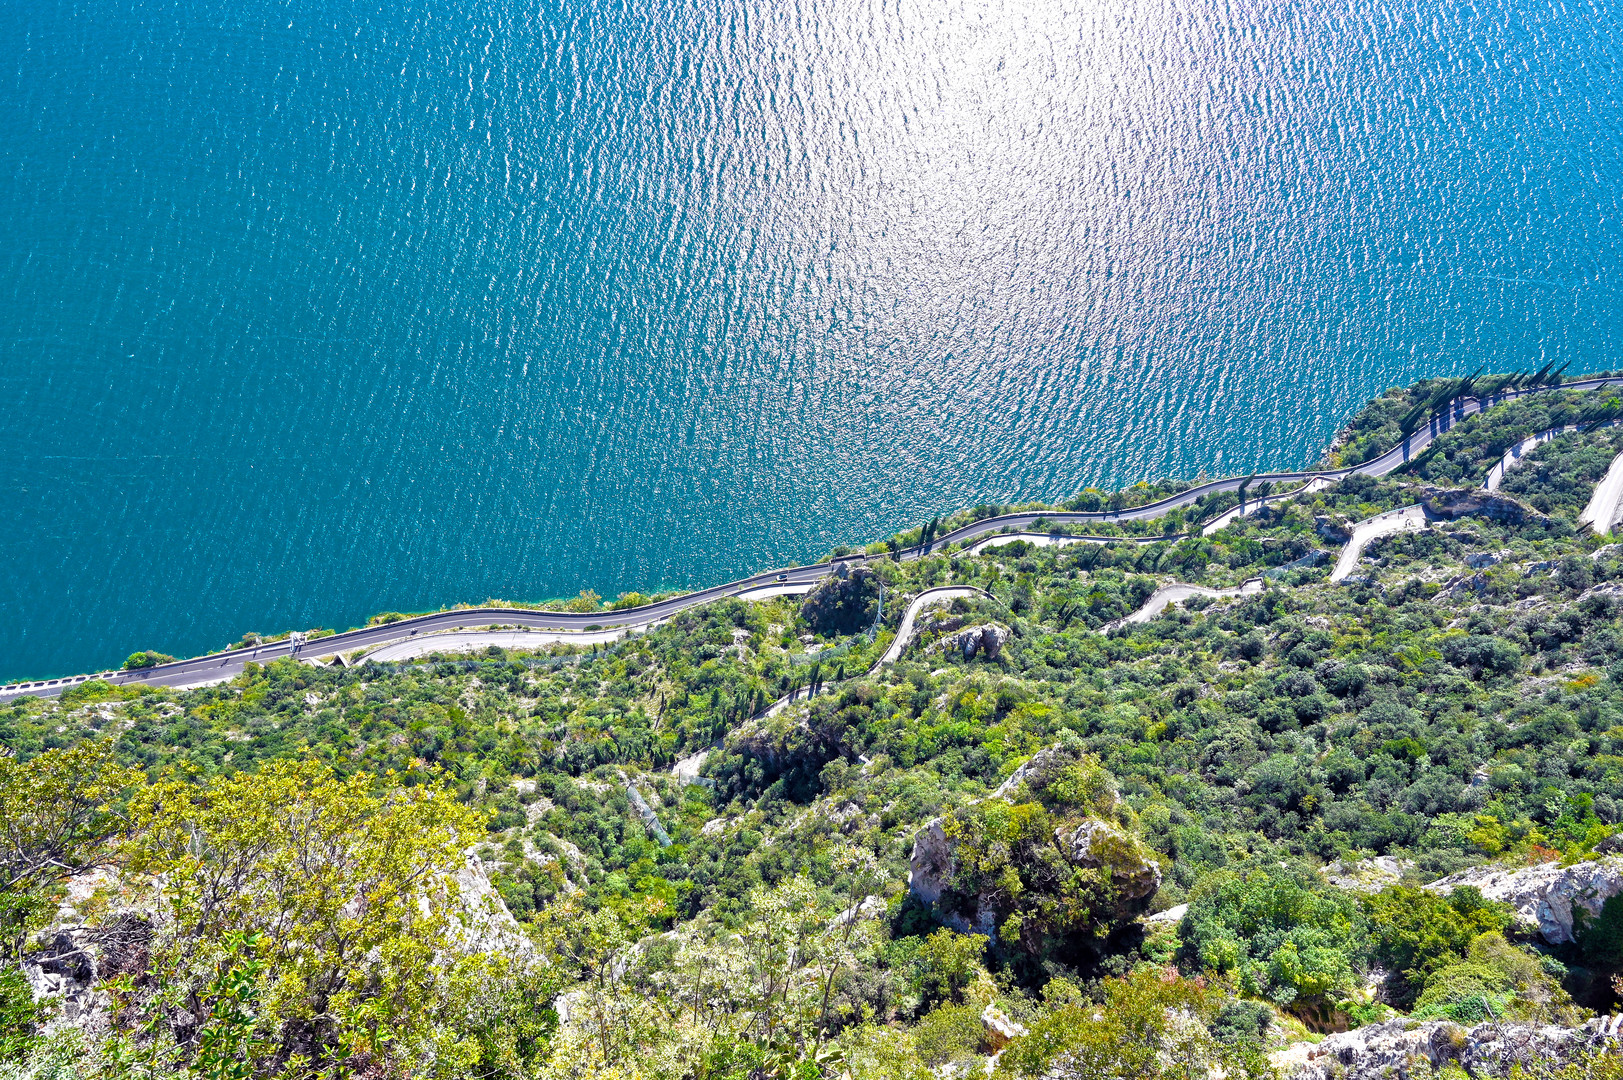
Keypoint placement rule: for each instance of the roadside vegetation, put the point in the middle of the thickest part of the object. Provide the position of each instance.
(612, 862)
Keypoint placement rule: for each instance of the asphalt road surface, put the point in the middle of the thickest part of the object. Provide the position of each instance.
(202, 670)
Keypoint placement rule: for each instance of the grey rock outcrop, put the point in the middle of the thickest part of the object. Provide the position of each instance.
(987, 639)
(1093, 844)
(870, 907)
(1367, 875)
(1332, 529)
(1100, 844)
(1404, 1048)
(1545, 897)
(1035, 773)
(486, 925)
(1454, 503)
(930, 868)
(70, 968)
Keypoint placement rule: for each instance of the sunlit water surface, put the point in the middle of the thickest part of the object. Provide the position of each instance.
(313, 309)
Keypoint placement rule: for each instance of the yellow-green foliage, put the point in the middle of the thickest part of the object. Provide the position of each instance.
(1418, 933)
(1150, 1025)
(55, 810)
(342, 886)
(1495, 980)
(1010, 856)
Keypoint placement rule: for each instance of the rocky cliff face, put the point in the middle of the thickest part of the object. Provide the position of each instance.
(1092, 845)
(987, 639)
(1129, 875)
(1545, 897)
(486, 924)
(930, 868)
(1453, 503)
(1404, 1048)
(1101, 845)
(77, 959)
(1036, 773)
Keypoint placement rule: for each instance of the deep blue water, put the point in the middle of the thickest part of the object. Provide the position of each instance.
(314, 309)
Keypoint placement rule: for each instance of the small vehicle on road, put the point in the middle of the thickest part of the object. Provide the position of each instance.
(783, 577)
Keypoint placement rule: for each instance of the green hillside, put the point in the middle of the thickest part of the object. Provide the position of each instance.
(1457, 701)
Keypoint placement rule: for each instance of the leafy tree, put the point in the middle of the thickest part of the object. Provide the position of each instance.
(338, 896)
(949, 963)
(588, 601)
(1494, 980)
(1283, 934)
(1148, 1027)
(842, 605)
(1418, 932)
(138, 661)
(56, 810)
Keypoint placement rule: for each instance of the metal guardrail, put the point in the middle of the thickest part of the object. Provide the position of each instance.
(1438, 423)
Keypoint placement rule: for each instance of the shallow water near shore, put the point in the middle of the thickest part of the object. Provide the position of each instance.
(311, 310)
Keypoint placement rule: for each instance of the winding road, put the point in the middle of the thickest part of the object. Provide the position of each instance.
(1606, 503)
(203, 670)
(1248, 507)
(1177, 593)
(1407, 519)
(927, 598)
(1516, 454)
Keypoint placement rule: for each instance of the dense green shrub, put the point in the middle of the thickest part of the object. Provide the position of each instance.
(1460, 702)
(1416, 933)
(1281, 933)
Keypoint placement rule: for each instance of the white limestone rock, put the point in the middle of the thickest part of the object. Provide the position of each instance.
(999, 1029)
(930, 867)
(1545, 896)
(1172, 916)
(1367, 875)
(1100, 844)
(987, 639)
(1402, 1047)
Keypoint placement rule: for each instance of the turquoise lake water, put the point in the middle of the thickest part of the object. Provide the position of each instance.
(310, 310)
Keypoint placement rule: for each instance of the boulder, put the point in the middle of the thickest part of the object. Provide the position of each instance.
(1545, 896)
(870, 907)
(999, 1029)
(930, 868)
(1097, 844)
(1610, 591)
(1466, 583)
(1405, 1048)
(930, 872)
(66, 971)
(988, 639)
(1172, 916)
(1331, 529)
(1367, 875)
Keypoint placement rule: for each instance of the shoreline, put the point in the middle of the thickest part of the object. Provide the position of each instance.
(218, 667)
